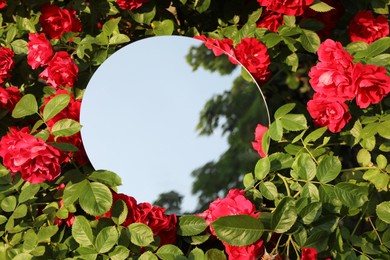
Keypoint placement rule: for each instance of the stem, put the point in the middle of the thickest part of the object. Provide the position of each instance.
(285, 184)
(309, 152)
(376, 232)
(359, 168)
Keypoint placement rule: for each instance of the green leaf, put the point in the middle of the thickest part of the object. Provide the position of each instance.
(321, 7)
(383, 129)
(381, 161)
(164, 27)
(215, 254)
(140, 234)
(202, 5)
(148, 256)
(191, 225)
(268, 190)
(65, 127)
(26, 106)
(292, 60)
(289, 20)
(271, 39)
(95, 199)
(262, 168)
(310, 41)
(110, 26)
(8, 204)
(328, 169)
(380, 180)
(377, 47)
(119, 212)
(276, 130)
(30, 240)
(318, 240)
(238, 230)
(28, 192)
(380, 60)
(196, 254)
(72, 192)
(304, 167)
(118, 39)
(315, 135)
(120, 253)
(106, 177)
(294, 122)
(169, 252)
(19, 46)
(106, 239)
(284, 110)
(310, 213)
(198, 239)
(55, 105)
(356, 47)
(87, 253)
(280, 161)
(46, 232)
(284, 216)
(20, 211)
(144, 14)
(364, 157)
(82, 231)
(351, 195)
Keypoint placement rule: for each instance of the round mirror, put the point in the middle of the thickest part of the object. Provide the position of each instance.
(140, 113)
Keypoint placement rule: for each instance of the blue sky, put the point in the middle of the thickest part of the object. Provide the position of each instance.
(139, 115)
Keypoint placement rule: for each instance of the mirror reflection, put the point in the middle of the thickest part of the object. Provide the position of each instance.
(167, 123)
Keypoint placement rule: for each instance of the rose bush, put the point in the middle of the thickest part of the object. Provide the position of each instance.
(319, 189)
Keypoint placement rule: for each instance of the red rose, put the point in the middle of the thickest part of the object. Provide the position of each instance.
(372, 84)
(332, 80)
(68, 221)
(328, 112)
(328, 19)
(270, 20)
(39, 50)
(133, 213)
(253, 55)
(258, 144)
(219, 47)
(251, 252)
(130, 4)
(56, 21)
(365, 27)
(309, 254)
(9, 97)
(289, 7)
(333, 53)
(3, 4)
(235, 203)
(61, 71)
(32, 157)
(162, 225)
(6, 63)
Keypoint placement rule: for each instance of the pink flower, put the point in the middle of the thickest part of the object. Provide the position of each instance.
(32, 157)
(56, 21)
(130, 4)
(270, 20)
(9, 97)
(251, 252)
(253, 55)
(6, 63)
(329, 112)
(219, 47)
(40, 50)
(288, 7)
(61, 71)
(365, 27)
(309, 254)
(372, 84)
(258, 144)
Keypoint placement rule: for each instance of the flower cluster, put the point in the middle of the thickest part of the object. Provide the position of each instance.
(32, 157)
(130, 4)
(9, 97)
(288, 7)
(366, 28)
(250, 52)
(162, 225)
(7, 63)
(336, 79)
(235, 203)
(258, 143)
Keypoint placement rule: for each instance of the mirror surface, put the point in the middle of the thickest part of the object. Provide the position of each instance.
(139, 116)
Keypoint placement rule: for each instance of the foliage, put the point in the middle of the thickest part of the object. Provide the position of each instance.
(321, 191)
